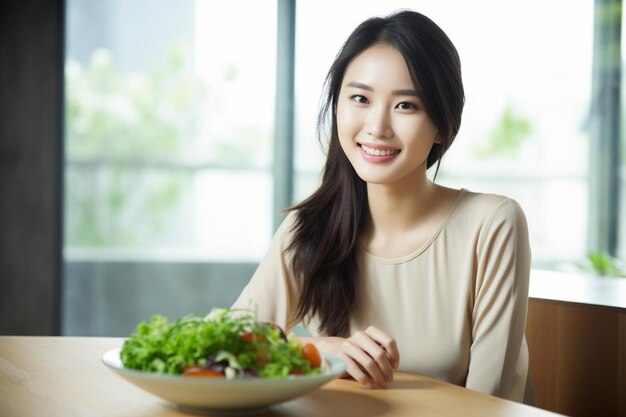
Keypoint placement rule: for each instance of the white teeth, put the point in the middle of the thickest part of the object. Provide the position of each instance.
(378, 152)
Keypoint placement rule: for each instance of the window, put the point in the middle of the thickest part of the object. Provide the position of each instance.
(168, 157)
(171, 156)
(170, 111)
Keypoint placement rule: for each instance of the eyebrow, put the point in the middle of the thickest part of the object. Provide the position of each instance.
(407, 92)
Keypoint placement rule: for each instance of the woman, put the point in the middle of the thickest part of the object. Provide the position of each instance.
(387, 269)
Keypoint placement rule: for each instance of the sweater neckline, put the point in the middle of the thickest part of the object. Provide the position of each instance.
(426, 245)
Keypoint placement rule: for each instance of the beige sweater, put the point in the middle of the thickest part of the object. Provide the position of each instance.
(456, 307)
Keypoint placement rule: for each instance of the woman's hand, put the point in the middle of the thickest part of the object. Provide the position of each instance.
(371, 355)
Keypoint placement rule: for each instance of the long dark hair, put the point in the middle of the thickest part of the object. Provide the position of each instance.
(328, 224)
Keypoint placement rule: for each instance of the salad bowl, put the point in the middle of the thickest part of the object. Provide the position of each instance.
(223, 396)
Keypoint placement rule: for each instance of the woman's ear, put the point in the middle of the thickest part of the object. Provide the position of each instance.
(438, 138)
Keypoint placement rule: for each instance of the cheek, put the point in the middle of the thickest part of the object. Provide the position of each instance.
(417, 131)
(348, 122)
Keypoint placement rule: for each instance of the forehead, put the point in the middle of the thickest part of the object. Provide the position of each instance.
(379, 66)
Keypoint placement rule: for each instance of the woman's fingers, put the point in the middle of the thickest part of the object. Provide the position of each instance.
(387, 342)
(367, 365)
(356, 372)
(372, 355)
(380, 358)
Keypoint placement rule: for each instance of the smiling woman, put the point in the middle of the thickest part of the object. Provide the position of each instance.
(386, 268)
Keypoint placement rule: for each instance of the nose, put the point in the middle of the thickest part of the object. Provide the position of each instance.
(378, 123)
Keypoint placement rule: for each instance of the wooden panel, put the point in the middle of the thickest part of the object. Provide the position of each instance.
(621, 366)
(578, 358)
(541, 337)
(586, 375)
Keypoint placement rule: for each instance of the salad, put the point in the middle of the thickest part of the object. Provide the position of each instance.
(224, 344)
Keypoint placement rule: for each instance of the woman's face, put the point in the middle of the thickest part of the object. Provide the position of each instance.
(382, 125)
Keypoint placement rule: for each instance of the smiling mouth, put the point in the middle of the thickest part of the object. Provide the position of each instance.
(378, 152)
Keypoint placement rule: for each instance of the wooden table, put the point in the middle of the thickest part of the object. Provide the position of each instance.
(64, 376)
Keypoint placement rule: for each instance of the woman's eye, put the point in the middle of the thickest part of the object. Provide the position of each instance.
(406, 106)
(360, 99)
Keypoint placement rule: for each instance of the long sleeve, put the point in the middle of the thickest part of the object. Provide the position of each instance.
(498, 353)
(271, 291)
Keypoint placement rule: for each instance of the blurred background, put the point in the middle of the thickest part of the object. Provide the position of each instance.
(147, 146)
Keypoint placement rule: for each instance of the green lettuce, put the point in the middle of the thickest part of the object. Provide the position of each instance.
(170, 347)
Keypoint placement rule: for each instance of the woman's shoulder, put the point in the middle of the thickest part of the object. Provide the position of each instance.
(285, 229)
(487, 209)
(485, 204)
(289, 219)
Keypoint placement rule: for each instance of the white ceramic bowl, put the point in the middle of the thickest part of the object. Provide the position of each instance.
(221, 396)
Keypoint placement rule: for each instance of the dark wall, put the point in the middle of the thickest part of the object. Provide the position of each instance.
(31, 114)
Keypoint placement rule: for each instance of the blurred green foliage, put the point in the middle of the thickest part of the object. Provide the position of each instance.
(601, 263)
(122, 116)
(507, 136)
(116, 126)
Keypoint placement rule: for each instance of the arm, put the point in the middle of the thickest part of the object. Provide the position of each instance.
(498, 354)
(272, 292)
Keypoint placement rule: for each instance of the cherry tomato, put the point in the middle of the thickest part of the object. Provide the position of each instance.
(311, 355)
(200, 371)
(249, 336)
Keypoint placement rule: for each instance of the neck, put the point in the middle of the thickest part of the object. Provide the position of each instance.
(399, 207)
